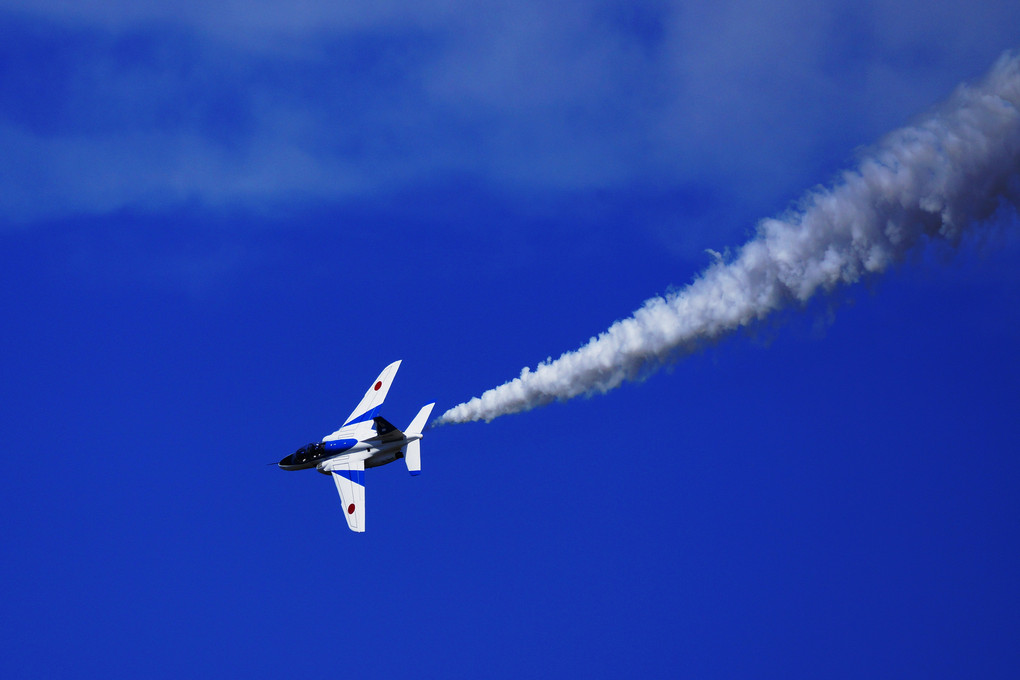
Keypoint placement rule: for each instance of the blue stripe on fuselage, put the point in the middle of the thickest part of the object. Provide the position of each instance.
(356, 476)
(338, 445)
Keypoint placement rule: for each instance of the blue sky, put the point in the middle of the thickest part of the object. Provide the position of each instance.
(218, 225)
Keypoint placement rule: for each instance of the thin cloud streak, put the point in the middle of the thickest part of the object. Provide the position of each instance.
(114, 105)
(932, 180)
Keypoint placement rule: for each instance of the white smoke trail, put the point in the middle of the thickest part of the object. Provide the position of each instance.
(933, 179)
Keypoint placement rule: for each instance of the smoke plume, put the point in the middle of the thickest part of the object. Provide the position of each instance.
(931, 180)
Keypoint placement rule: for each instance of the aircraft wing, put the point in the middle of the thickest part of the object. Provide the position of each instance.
(368, 408)
(349, 477)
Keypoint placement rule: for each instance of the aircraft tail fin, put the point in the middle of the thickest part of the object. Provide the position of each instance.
(412, 455)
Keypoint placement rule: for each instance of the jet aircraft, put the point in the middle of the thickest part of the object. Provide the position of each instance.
(365, 440)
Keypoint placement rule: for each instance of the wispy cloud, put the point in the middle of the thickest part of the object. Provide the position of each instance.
(113, 104)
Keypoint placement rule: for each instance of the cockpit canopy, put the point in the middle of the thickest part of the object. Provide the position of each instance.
(310, 449)
(311, 452)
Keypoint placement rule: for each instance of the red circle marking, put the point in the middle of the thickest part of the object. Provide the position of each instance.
(378, 385)
(350, 509)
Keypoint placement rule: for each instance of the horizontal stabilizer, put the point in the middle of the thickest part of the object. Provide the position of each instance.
(418, 424)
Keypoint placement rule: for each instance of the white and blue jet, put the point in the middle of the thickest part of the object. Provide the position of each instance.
(366, 440)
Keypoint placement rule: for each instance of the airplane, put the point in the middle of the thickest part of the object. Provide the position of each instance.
(366, 440)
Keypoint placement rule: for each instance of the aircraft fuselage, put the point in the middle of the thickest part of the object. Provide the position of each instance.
(373, 453)
(365, 440)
